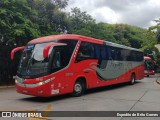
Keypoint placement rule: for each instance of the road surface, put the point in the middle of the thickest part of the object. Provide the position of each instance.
(143, 96)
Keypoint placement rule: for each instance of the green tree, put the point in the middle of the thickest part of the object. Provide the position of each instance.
(156, 29)
(15, 23)
(23, 20)
(49, 16)
(79, 20)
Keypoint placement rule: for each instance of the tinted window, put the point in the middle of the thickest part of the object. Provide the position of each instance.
(100, 52)
(71, 44)
(86, 51)
(103, 53)
(120, 54)
(62, 54)
(113, 53)
(97, 51)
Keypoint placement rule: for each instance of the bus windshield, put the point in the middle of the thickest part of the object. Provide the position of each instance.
(149, 65)
(33, 64)
(32, 60)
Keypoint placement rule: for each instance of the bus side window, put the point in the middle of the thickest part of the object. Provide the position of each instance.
(56, 62)
(103, 53)
(119, 57)
(102, 61)
(59, 59)
(86, 51)
(112, 53)
(97, 51)
(109, 53)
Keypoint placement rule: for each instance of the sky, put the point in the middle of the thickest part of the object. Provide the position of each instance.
(140, 13)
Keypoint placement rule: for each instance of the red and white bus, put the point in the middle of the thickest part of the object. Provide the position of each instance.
(68, 63)
(149, 66)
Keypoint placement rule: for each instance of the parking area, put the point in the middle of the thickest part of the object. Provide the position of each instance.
(143, 96)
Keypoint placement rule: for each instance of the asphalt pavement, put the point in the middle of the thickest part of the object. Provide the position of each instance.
(143, 96)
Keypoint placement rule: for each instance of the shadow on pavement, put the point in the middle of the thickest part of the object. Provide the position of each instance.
(68, 96)
(46, 99)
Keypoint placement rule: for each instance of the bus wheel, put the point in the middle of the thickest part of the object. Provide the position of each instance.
(147, 75)
(132, 81)
(79, 88)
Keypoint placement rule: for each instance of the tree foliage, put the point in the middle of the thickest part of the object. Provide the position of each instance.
(79, 21)
(15, 22)
(23, 20)
(156, 29)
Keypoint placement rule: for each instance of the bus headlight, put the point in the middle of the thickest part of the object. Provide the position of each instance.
(34, 85)
(44, 82)
(40, 83)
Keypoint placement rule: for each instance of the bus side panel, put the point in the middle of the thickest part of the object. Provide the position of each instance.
(140, 72)
(88, 70)
(83, 69)
(126, 77)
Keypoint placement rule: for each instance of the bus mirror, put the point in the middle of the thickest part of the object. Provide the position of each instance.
(47, 48)
(15, 50)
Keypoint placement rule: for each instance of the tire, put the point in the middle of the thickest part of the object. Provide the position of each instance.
(147, 75)
(78, 89)
(132, 80)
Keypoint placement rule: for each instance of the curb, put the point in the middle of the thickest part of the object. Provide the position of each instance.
(158, 81)
(2, 87)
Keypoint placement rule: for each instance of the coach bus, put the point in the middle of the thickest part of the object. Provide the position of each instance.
(149, 66)
(68, 63)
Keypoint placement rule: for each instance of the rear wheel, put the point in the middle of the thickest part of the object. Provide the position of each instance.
(132, 81)
(79, 88)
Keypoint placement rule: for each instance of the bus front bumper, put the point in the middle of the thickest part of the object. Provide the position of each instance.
(45, 90)
(149, 72)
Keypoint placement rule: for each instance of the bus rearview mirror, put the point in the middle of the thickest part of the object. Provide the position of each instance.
(47, 48)
(15, 50)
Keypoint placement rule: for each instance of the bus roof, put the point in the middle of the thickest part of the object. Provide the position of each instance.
(77, 37)
(65, 36)
(120, 46)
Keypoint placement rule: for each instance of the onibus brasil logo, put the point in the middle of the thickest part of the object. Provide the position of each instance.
(31, 115)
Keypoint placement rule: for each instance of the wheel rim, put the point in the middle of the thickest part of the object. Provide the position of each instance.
(77, 88)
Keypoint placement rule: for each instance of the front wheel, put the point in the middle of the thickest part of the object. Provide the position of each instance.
(79, 88)
(132, 81)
